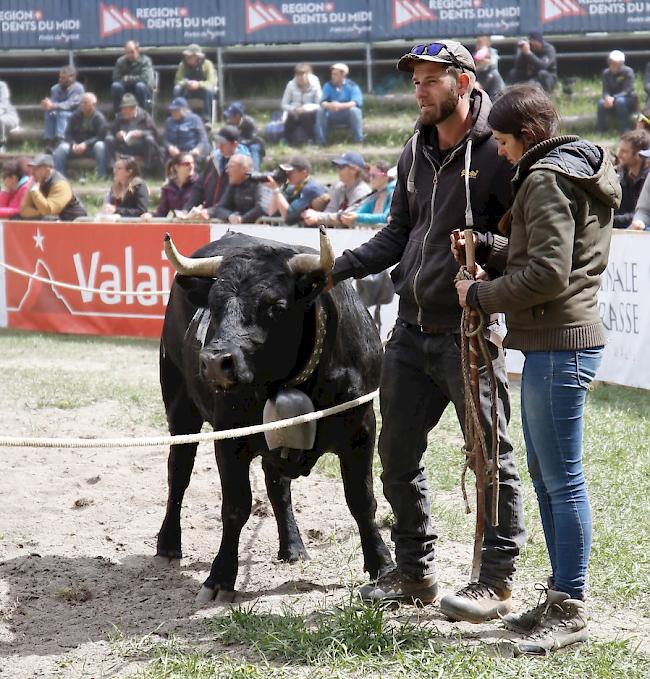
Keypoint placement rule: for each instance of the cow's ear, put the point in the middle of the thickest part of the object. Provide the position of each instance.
(309, 285)
(196, 289)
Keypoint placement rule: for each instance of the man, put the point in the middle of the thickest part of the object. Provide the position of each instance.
(487, 75)
(8, 114)
(618, 93)
(340, 106)
(347, 193)
(641, 220)
(300, 101)
(633, 169)
(134, 133)
(485, 41)
(422, 372)
(300, 193)
(535, 61)
(133, 73)
(196, 79)
(212, 185)
(60, 105)
(185, 132)
(84, 136)
(248, 134)
(50, 196)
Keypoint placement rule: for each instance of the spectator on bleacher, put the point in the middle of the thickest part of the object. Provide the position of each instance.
(133, 73)
(487, 75)
(633, 169)
(8, 114)
(375, 208)
(50, 195)
(484, 41)
(340, 106)
(178, 189)
(60, 105)
(214, 180)
(185, 132)
(535, 62)
(128, 195)
(196, 79)
(16, 182)
(84, 136)
(248, 134)
(643, 120)
(347, 194)
(641, 219)
(134, 133)
(618, 93)
(300, 101)
(300, 193)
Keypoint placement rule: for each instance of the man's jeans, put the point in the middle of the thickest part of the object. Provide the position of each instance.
(97, 151)
(55, 123)
(624, 106)
(553, 391)
(421, 375)
(326, 120)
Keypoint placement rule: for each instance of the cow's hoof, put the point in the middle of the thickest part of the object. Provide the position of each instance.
(293, 555)
(167, 561)
(169, 553)
(206, 595)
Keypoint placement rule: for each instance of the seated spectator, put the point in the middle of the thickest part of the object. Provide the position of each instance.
(535, 62)
(346, 195)
(133, 73)
(178, 189)
(484, 41)
(244, 199)
(633, 169)
(134, 133)
(50, 195)
(641, 218)
(8, 115)
(84, 136)
(300, 193)
(300, 101)
(340, 106)
(185, 132)
(60, 105)
(618, 93)
(16, 182)
(643, 120)
(129, 195)
(212, 185)
(248, 135)
(196, 79)
(487, 75)
(375, 208)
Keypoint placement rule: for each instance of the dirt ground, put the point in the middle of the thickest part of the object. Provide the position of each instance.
(77, 538)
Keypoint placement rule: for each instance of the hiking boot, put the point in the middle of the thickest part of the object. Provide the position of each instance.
(477, 602)
(394, 587)
(564, 622)
(525, 622)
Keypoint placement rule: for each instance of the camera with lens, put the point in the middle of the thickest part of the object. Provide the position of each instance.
(278, 175)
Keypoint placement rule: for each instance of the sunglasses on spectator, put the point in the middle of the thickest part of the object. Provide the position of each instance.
(187, 163)
(374, 175)
(433, 49)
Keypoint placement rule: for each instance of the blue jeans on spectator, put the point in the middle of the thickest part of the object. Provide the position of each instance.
(256, 154)
(624, 106)
(97, 151)
(325, 120)
(203, 94)
(139, 89)
(55, 123)
(553, 390)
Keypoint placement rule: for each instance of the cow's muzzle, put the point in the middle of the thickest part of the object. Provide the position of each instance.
(223, 369)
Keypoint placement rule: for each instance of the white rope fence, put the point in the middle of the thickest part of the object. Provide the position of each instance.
(26, 442)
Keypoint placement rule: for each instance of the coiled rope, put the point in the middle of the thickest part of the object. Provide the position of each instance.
(26, 442)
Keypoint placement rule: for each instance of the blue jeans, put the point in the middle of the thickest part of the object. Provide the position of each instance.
(624, 106)
(55, 123)
(325, 120)
(97, 151)
(553, 390)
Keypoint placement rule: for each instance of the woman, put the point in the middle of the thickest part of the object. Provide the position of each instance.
(16, 182)
(129, 195)
(179, 187)
(375, 208)
(558, 229)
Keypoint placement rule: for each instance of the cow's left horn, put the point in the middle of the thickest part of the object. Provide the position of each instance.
(305, 263)
(203, 267)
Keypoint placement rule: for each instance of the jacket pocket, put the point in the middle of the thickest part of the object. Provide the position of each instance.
(402, 275)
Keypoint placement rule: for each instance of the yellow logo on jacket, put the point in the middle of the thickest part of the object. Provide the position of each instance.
(473, 174)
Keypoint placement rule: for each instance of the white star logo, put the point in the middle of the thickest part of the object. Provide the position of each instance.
(39, 239)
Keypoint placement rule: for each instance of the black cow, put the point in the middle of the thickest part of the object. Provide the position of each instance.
(245, 321)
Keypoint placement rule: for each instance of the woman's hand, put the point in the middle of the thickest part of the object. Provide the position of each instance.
(637, 225)
(108, 209)
(348, 218)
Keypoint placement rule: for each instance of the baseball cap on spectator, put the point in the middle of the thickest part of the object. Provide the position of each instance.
(351, 158)
(296, 163)
(312, 191)
(537, 36)
(41, 159)
(340, 67)
(227, 133)
(448, 52)
(617, 56)
(235, 109)
(128, 100)
(179, 102)
(193, 49)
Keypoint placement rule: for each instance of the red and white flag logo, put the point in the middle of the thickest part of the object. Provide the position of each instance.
(556, 9)
(112, 20)
(408, 11)
(259, 15)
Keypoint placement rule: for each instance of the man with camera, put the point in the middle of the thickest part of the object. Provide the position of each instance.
(535, 61)
(294, 191)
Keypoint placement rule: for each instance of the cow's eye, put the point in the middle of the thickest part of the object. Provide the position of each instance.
(276, 309)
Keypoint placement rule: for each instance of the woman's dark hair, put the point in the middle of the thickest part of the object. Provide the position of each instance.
(525, 107)
(15, 168)
(382, 165)
(131, 165)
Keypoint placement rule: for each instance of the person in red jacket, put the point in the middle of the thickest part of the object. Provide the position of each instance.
(16, 181)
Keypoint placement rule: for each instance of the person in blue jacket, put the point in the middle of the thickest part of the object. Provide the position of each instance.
(184, 132)
(340, 106)
(375, 208)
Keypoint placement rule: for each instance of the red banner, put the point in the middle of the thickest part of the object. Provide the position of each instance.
(105, 257)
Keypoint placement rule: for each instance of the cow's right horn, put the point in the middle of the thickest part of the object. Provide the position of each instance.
(203, 267)
(304, 263)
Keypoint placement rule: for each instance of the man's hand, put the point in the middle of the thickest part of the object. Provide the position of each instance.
(78, 149)
(46, 104)
(234, 218)
(637, 225)
(461, 288)
(608, 101)
(195, 152)
(173, 150)
(310, 217)
(524, 46)
(120, 135)
(192, 84)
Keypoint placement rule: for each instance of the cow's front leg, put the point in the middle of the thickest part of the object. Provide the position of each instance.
(278, 488)
(233, 461)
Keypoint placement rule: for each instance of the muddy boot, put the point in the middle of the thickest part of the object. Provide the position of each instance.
(477, 602)
(526, 621)
(397, 588)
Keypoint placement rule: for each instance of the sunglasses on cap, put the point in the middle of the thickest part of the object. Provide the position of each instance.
(643, 119)
(433, 49)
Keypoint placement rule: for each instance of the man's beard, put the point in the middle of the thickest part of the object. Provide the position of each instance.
(433, 116)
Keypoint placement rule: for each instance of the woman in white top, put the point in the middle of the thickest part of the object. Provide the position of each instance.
(300, 102)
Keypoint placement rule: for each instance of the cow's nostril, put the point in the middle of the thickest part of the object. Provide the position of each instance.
(227, 364)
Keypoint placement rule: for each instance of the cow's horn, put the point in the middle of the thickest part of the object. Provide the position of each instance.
(305, 263)
(203, 267)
